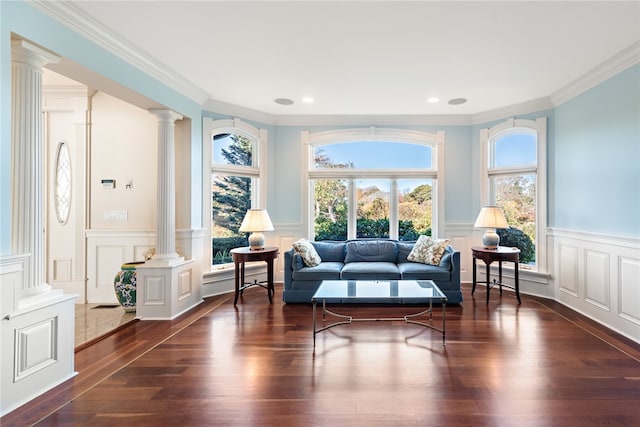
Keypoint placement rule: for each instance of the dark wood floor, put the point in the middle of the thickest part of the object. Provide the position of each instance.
(538, 364)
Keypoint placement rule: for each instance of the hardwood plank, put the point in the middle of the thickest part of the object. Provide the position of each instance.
(537, 364)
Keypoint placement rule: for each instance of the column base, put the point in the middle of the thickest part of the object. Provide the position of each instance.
(166, 291)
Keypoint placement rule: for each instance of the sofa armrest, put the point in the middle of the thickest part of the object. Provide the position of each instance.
(288, 268)
(455, 267)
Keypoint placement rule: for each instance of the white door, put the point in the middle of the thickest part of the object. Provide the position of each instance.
(65, 200)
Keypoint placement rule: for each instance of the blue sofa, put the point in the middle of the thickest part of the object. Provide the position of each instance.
(376, 259)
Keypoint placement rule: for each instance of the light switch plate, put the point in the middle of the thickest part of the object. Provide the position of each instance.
(116, 215)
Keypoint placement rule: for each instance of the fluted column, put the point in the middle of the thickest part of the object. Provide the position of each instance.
(27, 205)
(166, 211)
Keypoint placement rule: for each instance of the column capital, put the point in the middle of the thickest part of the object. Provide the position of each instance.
(165, 116)
(28, 53)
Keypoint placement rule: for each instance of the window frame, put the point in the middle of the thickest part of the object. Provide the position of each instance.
(257, 172)
(62, 212)
(488, 136)
(435, 141)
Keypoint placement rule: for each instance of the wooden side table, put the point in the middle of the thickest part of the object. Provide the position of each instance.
(242, 255)
(502, 253)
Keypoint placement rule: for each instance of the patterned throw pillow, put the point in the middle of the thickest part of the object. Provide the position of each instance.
(307, 252)
(428, 250)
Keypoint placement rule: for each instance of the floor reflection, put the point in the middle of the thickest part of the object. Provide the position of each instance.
(94, 320)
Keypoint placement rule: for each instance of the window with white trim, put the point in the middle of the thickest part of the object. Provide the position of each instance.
(237, 171)
(514, 167)
(366, 183)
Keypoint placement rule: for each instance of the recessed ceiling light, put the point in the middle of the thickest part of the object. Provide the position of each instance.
(433, 100)
(308, 100)
(283, 101)
(457, 101)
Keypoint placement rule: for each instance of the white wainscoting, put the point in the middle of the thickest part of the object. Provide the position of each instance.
(36, 334)
(107, 250)
(599, 276)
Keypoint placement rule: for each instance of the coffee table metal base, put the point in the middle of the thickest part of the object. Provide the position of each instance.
(407, 318)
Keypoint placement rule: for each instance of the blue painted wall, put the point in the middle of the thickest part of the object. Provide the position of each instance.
(596, 159)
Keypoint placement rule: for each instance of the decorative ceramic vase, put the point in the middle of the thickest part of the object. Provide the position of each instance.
(125, 285)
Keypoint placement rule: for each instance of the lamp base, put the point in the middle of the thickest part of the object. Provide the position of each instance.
(490, 239)
(256, 241)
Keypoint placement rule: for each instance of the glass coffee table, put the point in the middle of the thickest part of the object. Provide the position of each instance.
(413, 292)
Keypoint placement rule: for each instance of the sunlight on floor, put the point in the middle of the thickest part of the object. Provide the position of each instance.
(94, 320)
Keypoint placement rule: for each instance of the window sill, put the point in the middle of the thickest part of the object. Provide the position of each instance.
(222, 272)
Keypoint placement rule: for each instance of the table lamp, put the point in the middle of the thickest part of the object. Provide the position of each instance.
(491, 217)
(256, 221)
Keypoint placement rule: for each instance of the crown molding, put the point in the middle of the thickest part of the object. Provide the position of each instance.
(373, 120)
(335, 119)
(78, 21)
(233, 110)
(527, 107)
(75, 19)
(616, 64)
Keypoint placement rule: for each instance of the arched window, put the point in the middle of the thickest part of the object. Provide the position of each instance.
(366, 183)
(236, 174)
(514, 165)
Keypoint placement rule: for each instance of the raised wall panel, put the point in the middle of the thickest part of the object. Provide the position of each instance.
(284, 243)
(107, 250)
(185, 288)
(629, 286)
(568, 270)
(154, 290)
(107, 257)
(605, 272)
(12, 279)
(461, 244)
(35, 347)
(597, 279)
(62, 270)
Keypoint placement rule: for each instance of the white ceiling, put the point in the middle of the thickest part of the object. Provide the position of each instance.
(372, 57)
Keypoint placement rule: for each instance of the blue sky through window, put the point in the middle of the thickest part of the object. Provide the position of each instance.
(380, 155)
(514, 150)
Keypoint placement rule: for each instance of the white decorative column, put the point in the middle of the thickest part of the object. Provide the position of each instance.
(27, 215)
(36, 321)
(167, 284)
(166, 203)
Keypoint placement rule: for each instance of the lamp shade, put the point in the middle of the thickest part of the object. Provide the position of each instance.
(256, 221)
(491, 217)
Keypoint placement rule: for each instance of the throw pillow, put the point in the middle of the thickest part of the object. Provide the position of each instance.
(307, 252)
(428, 250)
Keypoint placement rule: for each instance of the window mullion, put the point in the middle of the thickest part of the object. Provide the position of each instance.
(393, 210)
(352, 211)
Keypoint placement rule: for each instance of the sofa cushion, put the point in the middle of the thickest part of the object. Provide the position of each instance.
(308, 252)
(404, 249)
(330, 251)
(418, 271)
(428, 250)
(445, 261)
(370, 270)
(371, 251)
(326, 270)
